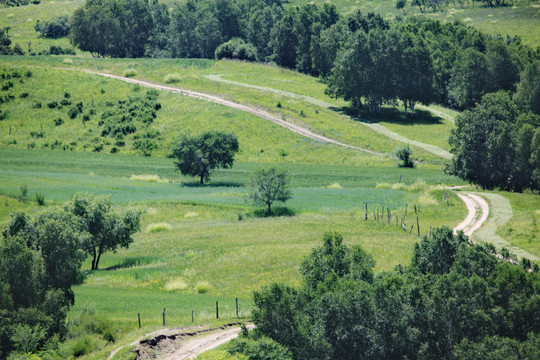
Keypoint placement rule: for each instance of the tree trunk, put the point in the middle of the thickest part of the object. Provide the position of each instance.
(94, 260)
(98, 257)
(269, 210)
(202, 179)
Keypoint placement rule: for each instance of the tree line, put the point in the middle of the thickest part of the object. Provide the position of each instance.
(413, 60)
(456, 300)
(40, 259)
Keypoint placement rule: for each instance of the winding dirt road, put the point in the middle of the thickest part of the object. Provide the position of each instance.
(373, 126)
(478, 213)
(249, 109)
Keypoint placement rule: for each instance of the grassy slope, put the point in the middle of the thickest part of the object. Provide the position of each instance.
(208, 242)
(22, 19)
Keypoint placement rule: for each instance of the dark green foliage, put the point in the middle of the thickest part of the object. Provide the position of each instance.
(334, 260)
(58, 50)
(107, 230)
(494, 147)
(457, 300)
(269, 186)
(40, 259)
(437, 254)
(145, 146)
(199, 155)
(236, 48)
(40, 199)
(527, 96)
(258, 348)
(56, 27)
(128, 116)
(404, 154)
(112, 28)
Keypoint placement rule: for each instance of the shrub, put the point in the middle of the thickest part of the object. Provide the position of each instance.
(37, 105)
(129, 73)
(236, 48)
(176, 285)
(148, 178)
(23, 193)
(56, 27)
(73, 112)
(58, 122)
(334, 185)
(404, 153)
(24, 95)
(145, 146)
(172, 78)
(52, 105)
(85, 345)
(203, 287)
(158, 227)
(40, 199)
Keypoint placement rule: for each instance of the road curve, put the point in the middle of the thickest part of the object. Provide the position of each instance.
(472, 222)
(252, 110)
(373, 126)
(197, 346)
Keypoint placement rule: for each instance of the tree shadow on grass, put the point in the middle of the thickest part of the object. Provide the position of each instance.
(390, 115)
(196, 183)
(133, 261)
(277, 211)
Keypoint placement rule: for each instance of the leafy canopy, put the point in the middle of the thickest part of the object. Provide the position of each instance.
(269, 186)
(199, 155)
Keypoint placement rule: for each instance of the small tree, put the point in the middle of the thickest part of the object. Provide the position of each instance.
(404, 153)
(269, 186)
(199, 155)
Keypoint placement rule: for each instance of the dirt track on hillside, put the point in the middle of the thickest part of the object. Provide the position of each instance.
(250, 109)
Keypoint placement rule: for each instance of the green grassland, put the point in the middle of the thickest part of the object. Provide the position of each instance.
(192, 75)
(22, 19)
(208, 242)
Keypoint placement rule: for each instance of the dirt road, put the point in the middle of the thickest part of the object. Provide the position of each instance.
(250, 109)
(197, 346)
(373, 126)
(478, 213)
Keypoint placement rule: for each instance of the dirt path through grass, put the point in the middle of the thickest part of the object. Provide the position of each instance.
(252, 110)
(485, 230)
(373, 126)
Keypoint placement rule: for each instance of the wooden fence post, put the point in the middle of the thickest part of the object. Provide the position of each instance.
(163, 316)
(139, 316)
(217, 310)
(418, 225)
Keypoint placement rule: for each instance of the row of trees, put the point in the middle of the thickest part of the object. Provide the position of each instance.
(40, 259)
(496, 145)
(414, 60)
(455, 300)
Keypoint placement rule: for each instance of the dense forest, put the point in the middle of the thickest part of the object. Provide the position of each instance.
(455, 301)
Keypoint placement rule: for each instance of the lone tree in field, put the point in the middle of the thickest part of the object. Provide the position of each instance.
(107, 230)
(269, 186)
(199, 155)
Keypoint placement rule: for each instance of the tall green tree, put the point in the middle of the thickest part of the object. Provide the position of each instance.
(200, 155)
(470, 79)
(414, 72)
(528, 89)
(107, 230)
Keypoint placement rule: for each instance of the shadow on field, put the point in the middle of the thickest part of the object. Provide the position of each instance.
(133, 261)
(195, 184)
(390, 115)
(276, 212)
